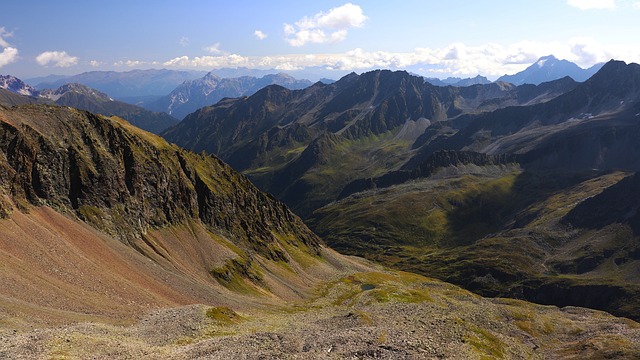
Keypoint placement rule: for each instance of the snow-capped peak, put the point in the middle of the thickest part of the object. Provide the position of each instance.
(16, 85)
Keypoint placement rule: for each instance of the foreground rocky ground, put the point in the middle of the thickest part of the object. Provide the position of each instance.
(364, 315)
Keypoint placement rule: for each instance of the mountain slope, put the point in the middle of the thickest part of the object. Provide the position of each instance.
(500, 231)
(553, 223)
(10, 98)
(84, 98)
(549, 68)
(188, 219)
(580, 122)
(194, 94)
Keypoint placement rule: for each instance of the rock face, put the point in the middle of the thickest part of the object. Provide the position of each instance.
(124, 181)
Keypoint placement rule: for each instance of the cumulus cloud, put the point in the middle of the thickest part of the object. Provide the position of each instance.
(8, 55)
(56, 58)
(592, 4)
(232, 60)
(259, 35)
(184, 41)
(214, 49)
(329, 27)
(95, 63)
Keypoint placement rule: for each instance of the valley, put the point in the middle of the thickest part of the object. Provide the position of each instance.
(451, 182)
(223, 269)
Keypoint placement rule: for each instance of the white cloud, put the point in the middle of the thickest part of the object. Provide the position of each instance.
(95, 63)
(214, 49)
(592, 4)
(329, 27)
(8, 55)
(232, 60)
(56, 58)
(4, 34)
(130, 63)
(259, 35)
(491, 59)
(184, 41)
(636, 5)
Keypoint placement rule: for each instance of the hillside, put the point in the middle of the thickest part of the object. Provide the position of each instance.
(189, 226)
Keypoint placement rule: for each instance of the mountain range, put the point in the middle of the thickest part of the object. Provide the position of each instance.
(455, 81)
(84, 98)
(123, 85)
(194, 94)
(516, 160)
(281, 138)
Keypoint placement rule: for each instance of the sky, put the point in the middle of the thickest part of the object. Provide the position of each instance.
(461, 38)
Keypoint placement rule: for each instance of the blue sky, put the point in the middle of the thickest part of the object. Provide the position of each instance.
(433, 38)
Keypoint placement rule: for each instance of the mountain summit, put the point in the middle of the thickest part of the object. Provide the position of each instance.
(17, 86)
(549, 68)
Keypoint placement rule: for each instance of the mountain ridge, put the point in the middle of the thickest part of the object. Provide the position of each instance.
(208, 90)
(271, 128)
(85, 98)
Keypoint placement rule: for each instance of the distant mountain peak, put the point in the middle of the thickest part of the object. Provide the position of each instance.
(549, 68)
(15, 85)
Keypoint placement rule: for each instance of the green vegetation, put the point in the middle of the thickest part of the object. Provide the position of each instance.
(493, 233)
(223, 315)
(240, 275)
(486, 343)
